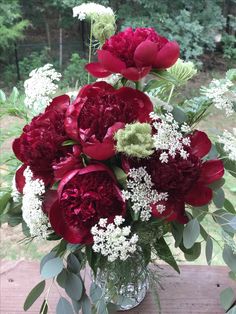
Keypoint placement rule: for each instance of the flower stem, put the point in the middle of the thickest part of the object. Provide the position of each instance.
(90, 46)
(171, 93)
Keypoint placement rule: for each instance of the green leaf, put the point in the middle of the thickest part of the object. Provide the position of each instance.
(61, 278)
(3, 201)
(60, 249)
(44, 308)
(229, 206)
(219, 198)
(52, 268)
(227, 298)
(77, 306)
(86, 305)
(232, 275)
(14, 95)
(34, 295)
(68, 143)
(64, 307)
(164, 253)
(95, 292)
(73, 264)
(179, 115)
(191, 233)
(229, 258)
(3, 97)
(217, 184)
(177, 231)
(226, 220)
(101, 307)
(74, 286)
(209, 250)
(121, 176)
(193, 253)
(46, 258)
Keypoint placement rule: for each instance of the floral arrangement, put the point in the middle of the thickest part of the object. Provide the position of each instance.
(119, 172)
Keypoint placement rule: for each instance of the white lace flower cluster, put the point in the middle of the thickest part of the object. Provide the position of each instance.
(112, 240)
(169, 138)
(221, 94)
(91, 9)
(229, 143)
(32, 213)
(15, 194)
(40, 87)
(141, 193)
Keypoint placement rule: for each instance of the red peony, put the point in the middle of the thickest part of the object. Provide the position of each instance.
(40, 144)
(99, 111)
(133, 53)
(83, 197)
(186, 181)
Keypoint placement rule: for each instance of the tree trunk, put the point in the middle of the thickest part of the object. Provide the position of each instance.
(48, 33)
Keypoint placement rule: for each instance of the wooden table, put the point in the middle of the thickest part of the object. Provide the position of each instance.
(195, 291)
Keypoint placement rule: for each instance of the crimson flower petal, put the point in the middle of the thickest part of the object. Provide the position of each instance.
(135, 74)
(167, 56)
(20, 179)
(144, 104)
(110, 62)
(68, 232)
(200, 144)
(59, 104)
(145, 53)
(212, 170)
(199, 195)
(97, 70)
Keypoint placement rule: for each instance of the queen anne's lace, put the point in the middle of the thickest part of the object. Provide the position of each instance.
(141, 193)
(221, 94)
(40, 87)
(229, 143)
(112, 240)
(32, 213)
(15, 194)
(91, 9)
(168, 137)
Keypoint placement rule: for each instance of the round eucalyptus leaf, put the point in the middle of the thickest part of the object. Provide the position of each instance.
(191, 233)
(64, 307)
(74, 286)
(73, 264)
(229, 258)
(52, 268)
(227, 298)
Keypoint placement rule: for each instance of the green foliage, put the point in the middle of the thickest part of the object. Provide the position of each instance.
(229, 46)
(12, 25)
(74, 75)
(34, 295)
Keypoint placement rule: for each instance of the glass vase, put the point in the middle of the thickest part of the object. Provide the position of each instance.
(124, 283)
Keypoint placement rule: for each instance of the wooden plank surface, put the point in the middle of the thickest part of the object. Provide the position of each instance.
(195, 291)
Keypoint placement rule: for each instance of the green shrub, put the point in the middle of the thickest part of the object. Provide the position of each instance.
(229, 46)
(74, 74)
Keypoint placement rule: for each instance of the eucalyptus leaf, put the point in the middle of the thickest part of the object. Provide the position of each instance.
(179, 115)
(191, 233)
(227, 298)
(52, 268)
(193, 253)
(219, 198)
(34, 295)
(226, 220)
(229, 206)
(86, 305)
(64, 307)
(73, 264)
(209, 250)
(217, 184)
(74, 286)
(177, 231)
(95, 292)
(229, 258)
(61, 278)
(46, 258)
(77, 306)
(44, 308)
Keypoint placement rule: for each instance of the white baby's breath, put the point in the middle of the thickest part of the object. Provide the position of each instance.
(169, 138)
(91, 10)
(15, 194)
(229, 143)
(32, 201)
(40, 87)
(141, 193)
(112, 240)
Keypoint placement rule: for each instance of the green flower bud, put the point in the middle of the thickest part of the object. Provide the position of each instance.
(135, 140)
(104, 26)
